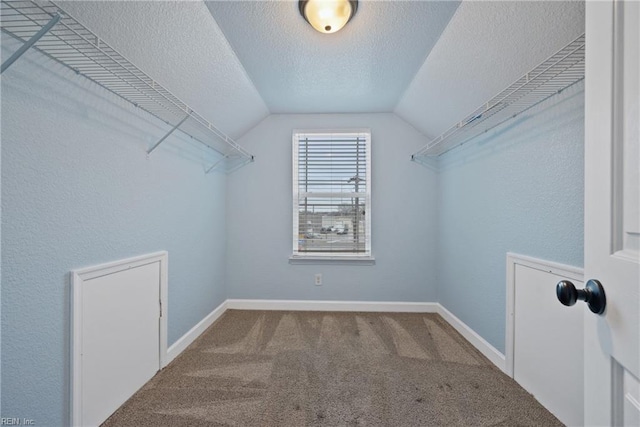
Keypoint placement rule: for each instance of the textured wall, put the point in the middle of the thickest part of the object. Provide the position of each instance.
(520, 189)
(0, 254)
(259, 218)
(78, 190)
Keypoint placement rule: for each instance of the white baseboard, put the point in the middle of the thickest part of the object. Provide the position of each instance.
(306, 305)
(469, 334)
(184, 341)
(489, 351)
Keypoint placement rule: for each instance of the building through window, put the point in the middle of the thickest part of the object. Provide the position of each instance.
(332, 194)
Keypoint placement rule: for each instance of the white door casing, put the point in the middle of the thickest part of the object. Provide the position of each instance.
(612, 215)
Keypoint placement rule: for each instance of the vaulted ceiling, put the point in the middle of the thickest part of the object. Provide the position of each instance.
(365, 67)
(430, 62)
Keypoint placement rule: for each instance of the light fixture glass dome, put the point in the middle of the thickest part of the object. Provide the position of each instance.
(327, 16)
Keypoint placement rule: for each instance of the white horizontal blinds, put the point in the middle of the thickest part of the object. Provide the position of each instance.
(333, 188)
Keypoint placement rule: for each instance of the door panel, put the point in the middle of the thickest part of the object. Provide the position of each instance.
(120, 338)
(631, 400)
(548, 344)
(612, 226)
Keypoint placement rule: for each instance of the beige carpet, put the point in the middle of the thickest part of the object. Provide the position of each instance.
(265, 368)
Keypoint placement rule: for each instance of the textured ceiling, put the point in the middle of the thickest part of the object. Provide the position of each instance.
(365, 67)
(181, 47)
(429, 62)
(485, 48)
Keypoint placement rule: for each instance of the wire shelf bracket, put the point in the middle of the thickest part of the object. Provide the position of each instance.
(560, 71)
(157, 144)
(50, 30)
(27, 45)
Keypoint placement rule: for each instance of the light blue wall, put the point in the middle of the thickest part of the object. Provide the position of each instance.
(259, 218)
(78, 190)
(517, 189)
(0, 253)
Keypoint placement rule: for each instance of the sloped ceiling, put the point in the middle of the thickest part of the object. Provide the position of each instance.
(365, 67)
(235, 62)
(179, 44)
(486, 47)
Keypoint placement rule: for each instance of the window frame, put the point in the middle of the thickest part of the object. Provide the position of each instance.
(367, 255)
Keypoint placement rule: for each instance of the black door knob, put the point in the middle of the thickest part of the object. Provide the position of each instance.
(592, 294)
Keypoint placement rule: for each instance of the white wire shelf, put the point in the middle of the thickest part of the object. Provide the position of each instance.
(560, 71)
(58, 35)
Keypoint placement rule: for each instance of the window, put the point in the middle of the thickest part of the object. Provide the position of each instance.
(332, 195)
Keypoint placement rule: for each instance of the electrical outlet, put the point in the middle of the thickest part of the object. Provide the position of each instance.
(318, 279)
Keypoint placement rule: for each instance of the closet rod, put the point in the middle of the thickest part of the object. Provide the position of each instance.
(554, 75)
(55, 33)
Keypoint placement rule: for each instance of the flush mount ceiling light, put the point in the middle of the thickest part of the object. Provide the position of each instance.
(328, 16)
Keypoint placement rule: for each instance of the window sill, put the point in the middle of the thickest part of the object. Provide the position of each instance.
(335, 260)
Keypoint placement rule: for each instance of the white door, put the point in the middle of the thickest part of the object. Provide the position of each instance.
(612, 213)
(555, 377)
(116, 336)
